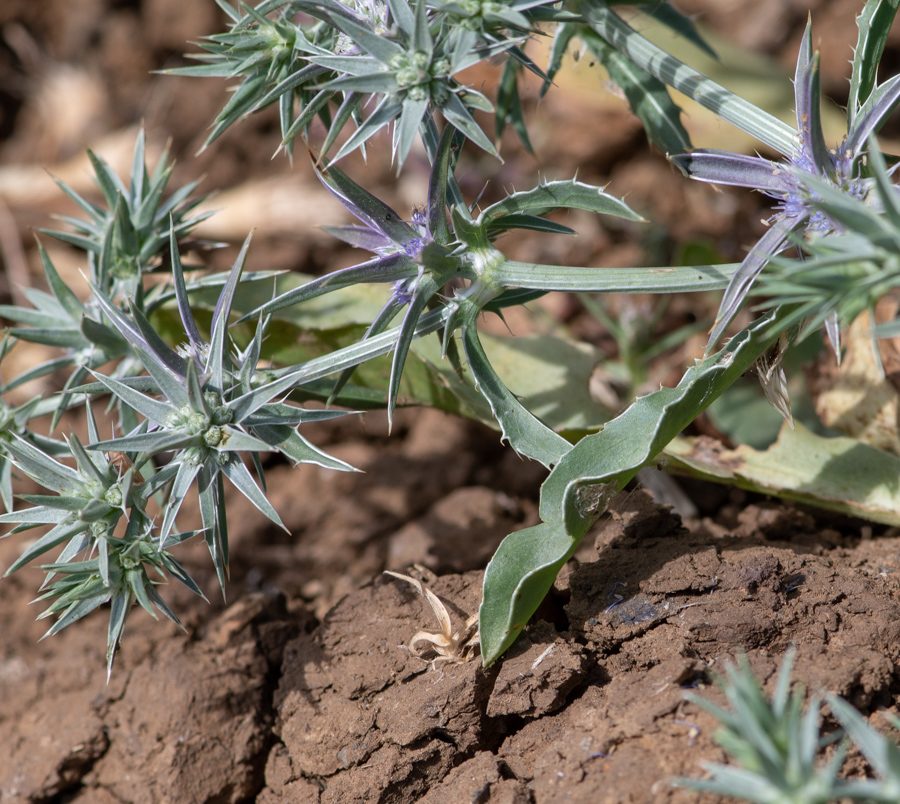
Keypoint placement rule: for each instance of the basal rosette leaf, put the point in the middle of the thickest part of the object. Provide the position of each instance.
(578, 489)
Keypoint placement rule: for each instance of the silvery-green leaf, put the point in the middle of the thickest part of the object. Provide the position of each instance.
(235, 440)
(176, 570)
(421, 36)
(162, 354)
(49, 473)
(379, 270)
(90, 465)
(403, 16)
(154, 597)
(240, 477)
(874, 22)
(212, 511)
(76, 610)
(509, 105)
(107, 180)
(286, 86)
(181, 297)
(462, 58)
(52, 538)
(770, 243)
(64, 295)
(184, 479)
(168, 383)
(437, 185)
(39, 515)
(94, 212)
(136, 580)
(663, 279)
(350, 65)
(387, 110)
(289, 442)
(102, 336)
(882, 754)
(59, 502)
(362, 204)
(456, 113)
(553, 195)
(31, 318)
(526, 435)
(41, 370)
(138, 171)
(562, 38)
(881, 102)
(348, 108)
(61, 337)
(94, 510)
(124, 228)
(154, 443)
(218, 347)
(305, 118)
(426, 287)
(647, 95)
(407, 125)
(158, 412)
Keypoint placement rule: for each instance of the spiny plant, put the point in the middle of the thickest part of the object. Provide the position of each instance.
(193, 409)
(777, 745)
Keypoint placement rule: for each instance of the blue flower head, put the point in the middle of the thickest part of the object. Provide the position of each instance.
(792, 183)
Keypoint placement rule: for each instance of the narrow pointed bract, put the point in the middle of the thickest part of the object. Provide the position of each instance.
(792, 184)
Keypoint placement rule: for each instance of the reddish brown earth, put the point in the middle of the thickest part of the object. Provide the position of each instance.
(302, 687)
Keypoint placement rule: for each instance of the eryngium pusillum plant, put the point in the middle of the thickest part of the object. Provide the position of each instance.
(196, 409)
(777, 745)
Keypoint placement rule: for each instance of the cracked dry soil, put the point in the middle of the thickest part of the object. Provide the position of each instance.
(302, 693)
(301, 688)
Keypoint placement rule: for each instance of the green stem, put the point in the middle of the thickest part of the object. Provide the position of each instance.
(723, 102)
(676, 279)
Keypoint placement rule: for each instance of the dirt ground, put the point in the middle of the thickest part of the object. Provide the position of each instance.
(301, 687)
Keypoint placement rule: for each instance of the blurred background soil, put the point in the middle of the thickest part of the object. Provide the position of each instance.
(298, 686)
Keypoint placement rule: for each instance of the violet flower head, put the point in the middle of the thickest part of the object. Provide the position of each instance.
(791, 183)
(415, 257)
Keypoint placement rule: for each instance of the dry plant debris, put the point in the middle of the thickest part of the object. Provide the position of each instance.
(449, 646)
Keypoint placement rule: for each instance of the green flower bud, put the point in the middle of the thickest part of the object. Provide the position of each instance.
(407, 77)
(198, 422)
(113, 496)
(398, 61)
(213, 436)
(129, 563)
(222, 415)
